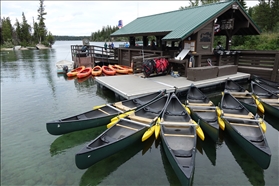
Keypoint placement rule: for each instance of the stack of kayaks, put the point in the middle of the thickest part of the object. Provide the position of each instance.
(97, 71)
(121, 133)
(100, 115)
(203, 111)
(84, 73)
(246, 129)
(178, 136)
(75, 71)
(242, 95)
(268, 99)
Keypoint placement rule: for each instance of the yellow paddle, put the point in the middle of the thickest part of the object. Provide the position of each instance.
(262, 124)
(187, 109)
(117, 118)
(157, 128)
(150, 131)
(259, 104)
(199, 130)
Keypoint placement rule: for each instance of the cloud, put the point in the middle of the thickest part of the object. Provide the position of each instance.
(81, 18)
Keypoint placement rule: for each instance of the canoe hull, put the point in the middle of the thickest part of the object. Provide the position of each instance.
(178, 136)
(176, 164)
(123, 133)
(207, 118)
(211, 128)
(259, 151)
(90, 155)
(59, 127)
(99, 116)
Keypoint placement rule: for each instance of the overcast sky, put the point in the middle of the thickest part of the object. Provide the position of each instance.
(81, 18)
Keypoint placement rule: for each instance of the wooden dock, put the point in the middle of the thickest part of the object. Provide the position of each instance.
(134, 85)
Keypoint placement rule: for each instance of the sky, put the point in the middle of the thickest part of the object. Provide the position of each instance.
(81, 18)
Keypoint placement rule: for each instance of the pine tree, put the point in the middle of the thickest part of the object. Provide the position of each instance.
(41, 26)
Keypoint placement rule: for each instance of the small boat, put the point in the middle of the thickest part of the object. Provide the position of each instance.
(242, 95)
(107, 70)
(264, 81)
(85, 72)
(130, 69)
(119, 70)
(246, 129)
(120, 134)
(203, 111)
(268, 99)
(75, 71)
(100, 115)
(97, 70)
(178, 137)
(269, 87)
(64, 66)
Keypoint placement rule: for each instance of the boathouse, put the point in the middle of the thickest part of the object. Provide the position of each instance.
(186, 38)
(194, 29)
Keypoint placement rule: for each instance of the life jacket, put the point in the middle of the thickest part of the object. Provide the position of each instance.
(161, 65)
(148, 67)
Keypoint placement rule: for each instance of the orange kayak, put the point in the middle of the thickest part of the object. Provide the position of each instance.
(130, 70)
(108, 70)
(97, 70)
(75, 71)
(85, 72)
(119, 69)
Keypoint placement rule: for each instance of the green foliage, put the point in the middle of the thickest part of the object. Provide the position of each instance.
(265, 41)
(7, 30)
(104, 34)
(7, 44)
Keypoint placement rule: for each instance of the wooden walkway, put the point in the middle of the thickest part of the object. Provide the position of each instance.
(134, 85)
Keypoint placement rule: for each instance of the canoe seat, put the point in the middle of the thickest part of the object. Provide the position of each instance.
(82, 116)
(182, 153)
(181, 113)
(255, 139)
(148, 109)
(107, 139)
(120, 106)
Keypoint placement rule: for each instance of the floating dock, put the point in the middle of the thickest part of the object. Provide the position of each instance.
(134, 85)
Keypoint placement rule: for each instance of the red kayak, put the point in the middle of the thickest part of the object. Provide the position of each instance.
(108, 71)
(85, 72)
(75, 71)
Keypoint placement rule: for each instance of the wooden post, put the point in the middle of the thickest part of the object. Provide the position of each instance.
(275, 67)
(236, 59)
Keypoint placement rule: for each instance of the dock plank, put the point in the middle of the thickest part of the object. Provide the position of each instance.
(134, 85)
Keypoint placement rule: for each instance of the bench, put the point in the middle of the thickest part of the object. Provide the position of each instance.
(202, 73)
(227, 70)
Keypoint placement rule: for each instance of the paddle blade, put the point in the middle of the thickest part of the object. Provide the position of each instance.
(112, 123)
(218, 111)
(157, 128)
(199, 131)
(221, 123)
(259, 104)
(148, 133)
(97, 107)
(263, 125)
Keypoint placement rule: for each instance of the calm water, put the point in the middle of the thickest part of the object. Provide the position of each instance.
(32, 93)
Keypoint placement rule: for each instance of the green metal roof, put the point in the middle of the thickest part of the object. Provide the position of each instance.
(175, 25)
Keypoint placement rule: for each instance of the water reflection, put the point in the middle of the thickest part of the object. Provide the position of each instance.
(209, 147)
(171, 175)
(99, 171)
(73, 139)
(251, 169)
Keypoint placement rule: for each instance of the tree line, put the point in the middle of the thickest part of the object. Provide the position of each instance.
(21, 33)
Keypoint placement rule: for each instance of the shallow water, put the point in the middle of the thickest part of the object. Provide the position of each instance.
(32, 93)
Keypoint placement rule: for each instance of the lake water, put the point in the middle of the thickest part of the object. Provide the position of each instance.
(32, 93)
